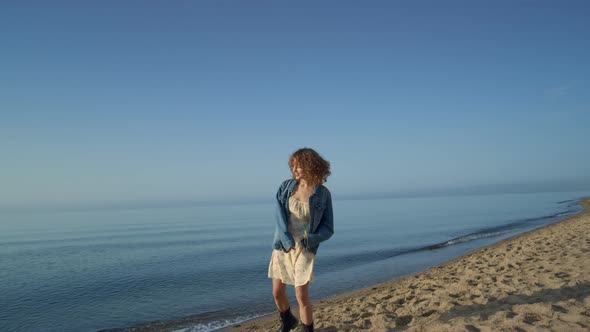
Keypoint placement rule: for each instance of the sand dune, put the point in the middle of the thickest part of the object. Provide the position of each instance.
(536, 281)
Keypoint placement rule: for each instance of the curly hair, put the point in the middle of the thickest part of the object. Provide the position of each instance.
(315, 169)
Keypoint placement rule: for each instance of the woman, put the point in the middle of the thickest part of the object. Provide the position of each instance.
(304, 219)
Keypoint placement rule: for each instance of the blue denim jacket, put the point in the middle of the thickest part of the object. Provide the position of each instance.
(320, 216)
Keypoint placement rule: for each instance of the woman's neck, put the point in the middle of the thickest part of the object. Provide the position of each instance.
(303, 183)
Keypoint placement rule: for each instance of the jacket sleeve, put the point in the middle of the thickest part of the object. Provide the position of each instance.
(281, 221)
(326, 227)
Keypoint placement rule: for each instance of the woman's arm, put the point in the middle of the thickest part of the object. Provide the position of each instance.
(325, 228)
(281, 221)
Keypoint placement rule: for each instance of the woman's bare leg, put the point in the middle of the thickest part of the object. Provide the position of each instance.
(305, 310)
(280, 294)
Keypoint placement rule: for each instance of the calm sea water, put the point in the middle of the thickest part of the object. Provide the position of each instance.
(200, 268)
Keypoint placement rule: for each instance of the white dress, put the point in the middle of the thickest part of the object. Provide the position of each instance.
(296, 266)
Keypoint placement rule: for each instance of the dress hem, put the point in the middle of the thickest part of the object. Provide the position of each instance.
(310, 281)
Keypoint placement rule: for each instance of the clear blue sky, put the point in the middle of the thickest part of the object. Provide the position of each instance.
(129, 100)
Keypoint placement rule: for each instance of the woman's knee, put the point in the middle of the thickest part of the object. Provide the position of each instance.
(302, 296)
(279, 291)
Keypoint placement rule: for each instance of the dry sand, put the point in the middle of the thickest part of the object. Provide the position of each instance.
(536, 281)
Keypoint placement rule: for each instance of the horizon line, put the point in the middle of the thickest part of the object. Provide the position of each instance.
(570, 185)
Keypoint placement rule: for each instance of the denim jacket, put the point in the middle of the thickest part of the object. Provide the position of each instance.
(320, 216)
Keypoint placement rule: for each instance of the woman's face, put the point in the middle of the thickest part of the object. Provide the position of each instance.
(296, 169)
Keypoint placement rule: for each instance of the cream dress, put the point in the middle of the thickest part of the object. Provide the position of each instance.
(296, 266)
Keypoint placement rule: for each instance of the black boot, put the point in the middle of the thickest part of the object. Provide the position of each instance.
(288, 321)
(307, 328)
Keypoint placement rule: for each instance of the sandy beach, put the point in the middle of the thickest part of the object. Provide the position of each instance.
(535, 281)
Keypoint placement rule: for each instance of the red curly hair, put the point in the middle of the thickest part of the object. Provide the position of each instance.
(315, 169)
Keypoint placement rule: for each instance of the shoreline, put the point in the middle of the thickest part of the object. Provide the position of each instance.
(466, 293)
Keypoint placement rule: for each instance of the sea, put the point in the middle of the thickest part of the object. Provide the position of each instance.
(201, 268)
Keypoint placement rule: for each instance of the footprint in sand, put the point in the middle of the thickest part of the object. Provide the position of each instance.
(530, 318)
(511, 314)
(371, 305)
(354, 315)
(559, 309)
(418, 300)
(367, 324)
(365, 314)
(428, 313)
(403, 320)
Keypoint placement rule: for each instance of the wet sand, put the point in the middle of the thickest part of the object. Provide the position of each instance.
(535, 281)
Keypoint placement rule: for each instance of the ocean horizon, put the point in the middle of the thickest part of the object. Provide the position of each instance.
(527, 187)
(200, 268)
